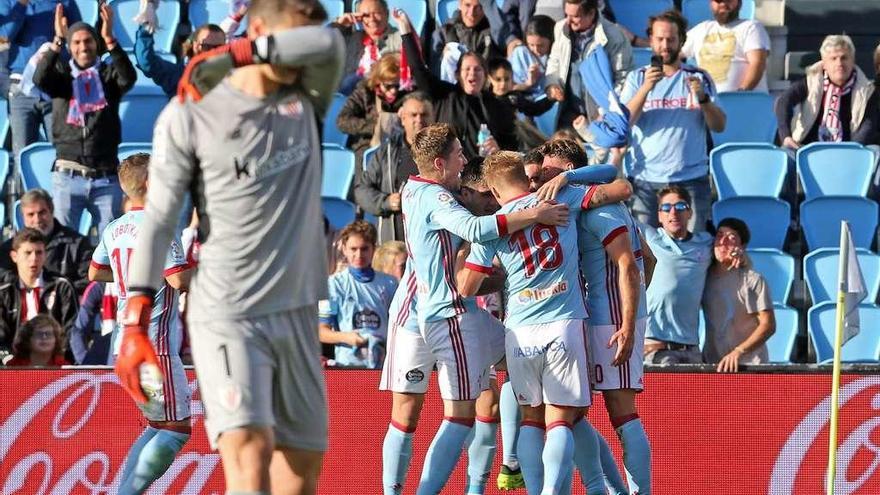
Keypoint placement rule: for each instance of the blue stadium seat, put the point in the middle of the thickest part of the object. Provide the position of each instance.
(778, 270)
(780, 345)
(88, 10)
(697, 11)
(4, 167)
(145, 85)
(641, 56)
(864, 347)
(820, 221)
(138, 113)
(750, 118)
(339, 170)
(85, 220)
(36, 162)
(546, 122)
(211, 11)
(4, 121)
(339, 212)
(633, 14)
(127, 149)
(332, 134)
(368, 155)
(125, 28)
(835, 169)
(417, 10)
(334, 8)
(820, 273)
(748, 169)
(445, 10)
(768, 218)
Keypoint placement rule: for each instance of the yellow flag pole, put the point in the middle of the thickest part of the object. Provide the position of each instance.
(835, 380)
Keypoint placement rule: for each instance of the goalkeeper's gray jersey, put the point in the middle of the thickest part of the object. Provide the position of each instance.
(254, 168)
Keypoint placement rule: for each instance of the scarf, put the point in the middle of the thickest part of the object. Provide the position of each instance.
(371, 56)
(831, 129)
(363, 275)
(88, 94)
(613, 128)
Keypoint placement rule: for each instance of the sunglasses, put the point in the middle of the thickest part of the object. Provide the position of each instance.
(679, 206)
(209, 46)
(390, 86)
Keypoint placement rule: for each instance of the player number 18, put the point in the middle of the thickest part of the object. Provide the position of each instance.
(547, 253)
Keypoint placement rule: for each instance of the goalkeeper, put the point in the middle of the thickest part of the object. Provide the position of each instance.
(247, 147)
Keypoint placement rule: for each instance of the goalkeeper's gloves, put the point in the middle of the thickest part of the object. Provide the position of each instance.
(136, 354)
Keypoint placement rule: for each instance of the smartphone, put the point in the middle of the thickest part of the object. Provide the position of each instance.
(657, 61)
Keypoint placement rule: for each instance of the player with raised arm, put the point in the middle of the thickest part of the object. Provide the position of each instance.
(249, 151)
(167, 408)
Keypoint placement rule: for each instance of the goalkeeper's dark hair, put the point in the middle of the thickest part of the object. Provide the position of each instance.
(269, 10)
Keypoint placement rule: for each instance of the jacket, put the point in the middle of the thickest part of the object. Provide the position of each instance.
(378, 181)
(358, 116)
(606, 34)
(798, 109)
(94, 145)
(464, 112)
(57, 299)
(68, 254)
(164, 73)
(478, 39)
(354, 45)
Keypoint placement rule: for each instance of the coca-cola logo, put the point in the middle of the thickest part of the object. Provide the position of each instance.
(800, 464)
(48, 443)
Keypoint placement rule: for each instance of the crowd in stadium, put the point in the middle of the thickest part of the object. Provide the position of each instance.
(506, 75)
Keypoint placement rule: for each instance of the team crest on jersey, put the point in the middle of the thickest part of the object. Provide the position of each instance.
(292, 108)
(230, 397)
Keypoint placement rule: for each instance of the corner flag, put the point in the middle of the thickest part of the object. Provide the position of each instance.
(851, 283)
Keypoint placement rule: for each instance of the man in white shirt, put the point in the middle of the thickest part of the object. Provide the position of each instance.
(732, 50)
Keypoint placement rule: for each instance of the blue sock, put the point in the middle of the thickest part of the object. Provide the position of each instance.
(150, 460)
(557, 457)
(443, 454)
(481, 453)
(586, 457)
(636, 453)
(132, 458)
(396, 454)
(508, 407)
(529, 450)
(613, 482)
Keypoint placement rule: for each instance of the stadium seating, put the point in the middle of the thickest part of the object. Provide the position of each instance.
(334, 8)
(821, 273)
(125, 28)
(820, 221)
(88, 10)
(339, 170)
(864, 347)
(780, 345)
(127, 149)
(145, 85)
(641, 56)
(748, 169)
(546, 122)
(368, 155)
(633, 14)
(697, 11)
(138, 113)
(36, 162)
(839, 169)
(445, 10)
(417, 10)
(4, 120)
(778, 270)
(85, 220)
(214, 11)
(750, 118)
(4, 168)
(339, 212)
(768, 218)
(332, 134)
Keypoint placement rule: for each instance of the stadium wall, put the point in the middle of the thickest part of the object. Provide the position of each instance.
(67, 431)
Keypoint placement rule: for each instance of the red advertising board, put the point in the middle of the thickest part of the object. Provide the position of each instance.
(68, 432)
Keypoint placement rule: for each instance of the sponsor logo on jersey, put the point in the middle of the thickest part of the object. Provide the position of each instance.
(538, 350)
(528, 295)
(366, 319)
(415, 376)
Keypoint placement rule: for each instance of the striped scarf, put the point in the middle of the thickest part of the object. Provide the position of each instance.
(831, 129)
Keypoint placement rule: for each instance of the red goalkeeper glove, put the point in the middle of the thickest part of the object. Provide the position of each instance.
(136, 349)
(207, 69)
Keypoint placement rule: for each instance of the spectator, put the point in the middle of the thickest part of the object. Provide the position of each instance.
(355, 316)
(85, 111)
(670, 107)
(501, 82)
(529, 62)
(378, 190)
(732, 50)
(736, 302)
(835, 101)
(365, 45)
(581, 32)
(369, 112)
(390, 258)
(676, 289)
(30, 290)
(27, 25)
(164, 73)
(92, 332)
(468, 105)
(68, 253)
(469, 29)
(39, 342)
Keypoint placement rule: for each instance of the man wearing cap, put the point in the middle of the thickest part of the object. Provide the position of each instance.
(86, 129)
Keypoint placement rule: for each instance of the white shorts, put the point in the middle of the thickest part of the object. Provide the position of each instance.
(548, 364)
(463, 347)
(172, 403)
(606, 376)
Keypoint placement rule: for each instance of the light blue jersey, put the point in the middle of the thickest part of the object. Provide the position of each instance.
(520, 61)
(676, 290)
(597, 227)
(358, 305)
(436, 224)
(402, 311)
(669, 139)
(544, 282)
(114, 252)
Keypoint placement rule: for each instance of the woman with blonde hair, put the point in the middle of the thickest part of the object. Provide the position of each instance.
(390, 258)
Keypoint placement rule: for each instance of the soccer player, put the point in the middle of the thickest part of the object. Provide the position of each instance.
(167, 409)
(355, 316)
(611, 262)
(249, 150)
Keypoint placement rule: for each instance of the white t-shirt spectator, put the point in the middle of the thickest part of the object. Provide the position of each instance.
(721, 50)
